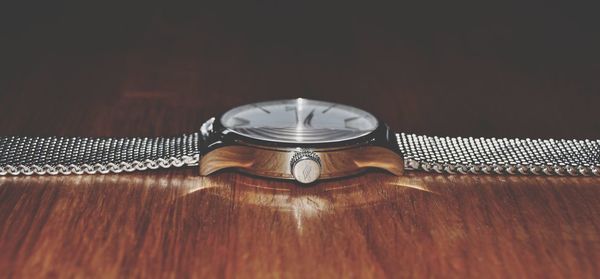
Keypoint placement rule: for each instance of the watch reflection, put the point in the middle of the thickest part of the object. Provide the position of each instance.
(233, 200)
(309, 202)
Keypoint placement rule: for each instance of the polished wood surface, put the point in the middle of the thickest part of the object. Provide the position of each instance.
(523, 71)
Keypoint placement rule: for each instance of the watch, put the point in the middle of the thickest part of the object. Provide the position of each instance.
(299, 139)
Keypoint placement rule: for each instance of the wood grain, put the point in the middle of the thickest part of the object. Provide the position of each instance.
(147, 71)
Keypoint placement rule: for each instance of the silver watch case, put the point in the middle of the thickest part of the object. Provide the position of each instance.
(224, 149)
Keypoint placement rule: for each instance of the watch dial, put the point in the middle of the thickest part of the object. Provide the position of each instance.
(299, 121)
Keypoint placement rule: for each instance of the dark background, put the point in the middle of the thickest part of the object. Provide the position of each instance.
(506, 70)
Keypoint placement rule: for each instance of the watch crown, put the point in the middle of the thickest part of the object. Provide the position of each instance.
(305, 166)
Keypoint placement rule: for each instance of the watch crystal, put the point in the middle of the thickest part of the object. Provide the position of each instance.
(299, 121)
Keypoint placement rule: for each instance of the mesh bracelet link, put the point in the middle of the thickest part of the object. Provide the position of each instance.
(500, 156)
(61, 155)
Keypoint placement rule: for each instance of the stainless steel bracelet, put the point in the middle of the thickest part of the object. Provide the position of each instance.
(61, 155)
(500, 156)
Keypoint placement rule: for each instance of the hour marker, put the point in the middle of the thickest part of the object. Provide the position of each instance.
(328, 108)
(295, 109)
(261, 108)
(238, 121)
(348, 120)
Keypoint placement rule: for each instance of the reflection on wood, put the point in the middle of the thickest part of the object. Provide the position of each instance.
(199, 225)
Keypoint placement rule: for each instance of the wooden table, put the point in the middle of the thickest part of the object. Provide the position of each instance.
(163, 71)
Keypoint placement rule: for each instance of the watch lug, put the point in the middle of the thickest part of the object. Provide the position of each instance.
(227, 157)
(381, 158)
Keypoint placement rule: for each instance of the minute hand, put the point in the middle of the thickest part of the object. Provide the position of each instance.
(309, 118)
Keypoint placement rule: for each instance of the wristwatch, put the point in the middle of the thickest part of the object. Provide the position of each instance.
(302, 140)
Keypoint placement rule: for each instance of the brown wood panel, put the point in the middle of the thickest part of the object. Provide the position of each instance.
(514, 71)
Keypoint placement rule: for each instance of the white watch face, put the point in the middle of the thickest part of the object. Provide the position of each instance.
(299, 121)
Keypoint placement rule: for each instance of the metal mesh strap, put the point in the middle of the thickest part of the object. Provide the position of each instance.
(500, 156)
(60, 155)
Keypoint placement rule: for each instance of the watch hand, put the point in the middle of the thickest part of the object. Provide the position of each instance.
(309, 118)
